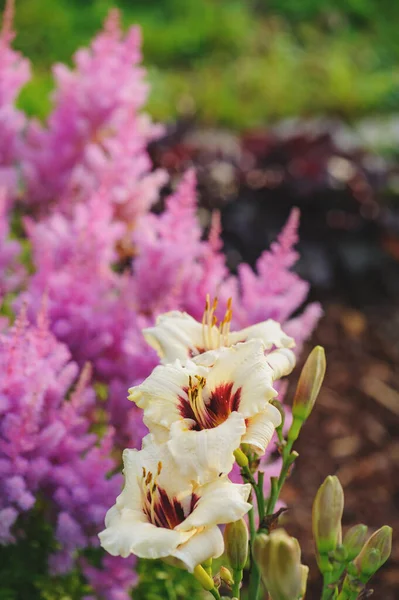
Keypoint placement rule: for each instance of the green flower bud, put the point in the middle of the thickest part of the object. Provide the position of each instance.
(374, 554)
(353, 541)
(327, 512)
(204, 579)
(226, 576)
(304, 579)
(309, 384)
(236, 544)
(279, 558)
(241, 458)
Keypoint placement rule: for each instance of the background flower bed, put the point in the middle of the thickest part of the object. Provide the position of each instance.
(274, 171)
(234, 62)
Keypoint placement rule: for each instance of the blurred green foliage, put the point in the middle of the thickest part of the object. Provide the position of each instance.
(24, 571)
(23, 566)
(236, 63)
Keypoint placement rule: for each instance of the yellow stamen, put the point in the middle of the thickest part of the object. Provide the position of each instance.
(196, 399)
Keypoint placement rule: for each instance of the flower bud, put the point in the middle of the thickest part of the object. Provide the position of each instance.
(304, 579)
(327, 512)
(374, 554)
(241, 458)
(309, 384)
(204, 579)
(236, 543)
(353, 541)
(279, 559)
(226, 576)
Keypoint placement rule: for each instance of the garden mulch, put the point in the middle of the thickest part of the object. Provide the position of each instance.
(352, 433)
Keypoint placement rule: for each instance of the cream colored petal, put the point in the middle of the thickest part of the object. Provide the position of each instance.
(159, 395)
(176, 335)
(261, 427)
(282, 362)
(127, 532)
(154, 456)
(130, 496)
(203, 455)
(220, 502)
(269, 332)
(245, 365)
(205, 544)
(208, 359)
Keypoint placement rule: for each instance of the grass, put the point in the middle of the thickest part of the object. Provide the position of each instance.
(236, 63)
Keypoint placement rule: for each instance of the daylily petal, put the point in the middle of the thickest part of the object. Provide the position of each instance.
(245, 365)
(206, 454)
(261, 427)
(127, 533)
(269, 332)
(176, 335)
(159, 394)
(151, 456)
(205, 544)
(220, 502)
(130, 497)
(282, 362)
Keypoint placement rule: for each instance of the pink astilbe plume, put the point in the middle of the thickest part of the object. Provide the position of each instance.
(174, 267)
(14, 73)
(96, 135)
(11, 271)
(73, 257)
(274, 291)
(46, 448)
(113, 581)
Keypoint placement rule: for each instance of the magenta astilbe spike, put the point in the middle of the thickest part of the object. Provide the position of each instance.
(274, 291)
(14, 73)
(12, 272)
(96, 134)
(114, 580)
(46, 447)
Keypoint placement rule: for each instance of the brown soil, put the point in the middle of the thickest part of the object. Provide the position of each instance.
(352, 433)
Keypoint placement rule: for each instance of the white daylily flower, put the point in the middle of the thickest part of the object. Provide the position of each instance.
(177, 335)
(161, 514)
(204, 412)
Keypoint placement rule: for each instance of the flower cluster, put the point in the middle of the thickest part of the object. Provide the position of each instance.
(106, 268)
(211, 395)
(45, 441)
(95, 135)
(207, 405)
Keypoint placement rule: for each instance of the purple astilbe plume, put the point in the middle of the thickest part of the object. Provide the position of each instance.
(46, 447)
(11, 271)
(113, 581)
(73, 257)
(14, 73)
(274, 291)
(95, 134)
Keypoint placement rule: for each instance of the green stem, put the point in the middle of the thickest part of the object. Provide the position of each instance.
(215, 593)
(257, 488)
(350, 589)
(237, 574)
(276, 484)
(261, 499)
(207, 564)
(254, 580)
(327, 592)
